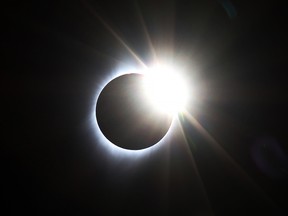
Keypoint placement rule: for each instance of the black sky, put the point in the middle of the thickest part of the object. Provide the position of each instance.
(57, 54)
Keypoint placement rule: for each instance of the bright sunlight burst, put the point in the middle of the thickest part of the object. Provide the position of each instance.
(165, 89)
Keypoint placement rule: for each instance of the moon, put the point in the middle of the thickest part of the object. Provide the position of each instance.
(126, 118)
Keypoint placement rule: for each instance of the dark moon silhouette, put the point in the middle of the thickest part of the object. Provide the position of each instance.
(126, 118)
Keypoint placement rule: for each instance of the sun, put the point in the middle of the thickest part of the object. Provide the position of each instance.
(165, 89)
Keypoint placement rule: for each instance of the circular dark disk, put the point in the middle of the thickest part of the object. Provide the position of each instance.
(126, 118)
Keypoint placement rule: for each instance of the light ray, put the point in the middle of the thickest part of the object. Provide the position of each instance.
(146, 33)
(210, 139)
(219, 149)
(118, 38)
(194, 166)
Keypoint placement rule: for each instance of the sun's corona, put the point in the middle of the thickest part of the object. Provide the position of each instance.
(164, 89)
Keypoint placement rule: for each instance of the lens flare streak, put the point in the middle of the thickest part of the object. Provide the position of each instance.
(219, 149)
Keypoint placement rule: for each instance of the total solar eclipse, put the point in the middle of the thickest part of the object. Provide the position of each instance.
(134, 111)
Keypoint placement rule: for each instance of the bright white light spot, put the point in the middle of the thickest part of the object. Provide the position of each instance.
(165, 89)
